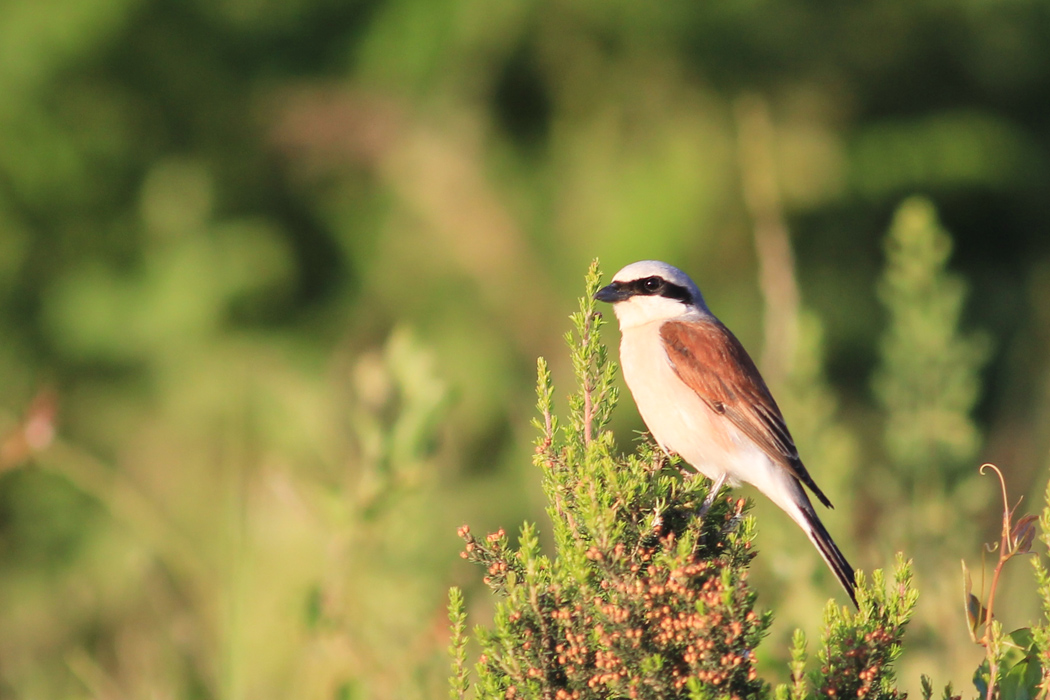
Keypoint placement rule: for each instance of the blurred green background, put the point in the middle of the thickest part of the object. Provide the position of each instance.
(282, 271)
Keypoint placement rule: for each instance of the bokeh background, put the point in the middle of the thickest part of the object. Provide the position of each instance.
(274, 277)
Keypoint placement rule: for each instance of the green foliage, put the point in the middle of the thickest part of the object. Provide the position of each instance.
(927, 690)
(318, 556)
(1019, 661)
(1041, 631)
(644, 597)
(928, 381)
(927, 384)
(860, 648)
(1015, 664)
(457, 648)
(797, 667)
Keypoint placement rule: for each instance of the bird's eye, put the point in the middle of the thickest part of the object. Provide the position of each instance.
(652, 284)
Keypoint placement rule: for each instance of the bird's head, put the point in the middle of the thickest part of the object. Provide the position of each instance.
(651, 290)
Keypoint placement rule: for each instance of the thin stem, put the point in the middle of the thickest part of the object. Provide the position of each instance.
(993, 666)
(588, 383)
(1002, 485)
(587, 418)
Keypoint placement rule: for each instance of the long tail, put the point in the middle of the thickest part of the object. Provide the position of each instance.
(829, 551)
(784, 489)
(796, 503)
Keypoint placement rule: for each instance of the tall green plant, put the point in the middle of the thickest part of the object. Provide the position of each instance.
(928, 379)
(927, 383)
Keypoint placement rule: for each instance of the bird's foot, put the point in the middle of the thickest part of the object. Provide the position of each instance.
(716, 487)
(662, 459)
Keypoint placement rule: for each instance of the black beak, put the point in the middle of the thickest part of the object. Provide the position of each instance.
(612, 293)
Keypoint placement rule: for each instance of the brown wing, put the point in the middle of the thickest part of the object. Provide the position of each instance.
(713, 363)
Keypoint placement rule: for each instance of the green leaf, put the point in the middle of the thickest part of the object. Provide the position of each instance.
(1020, 670)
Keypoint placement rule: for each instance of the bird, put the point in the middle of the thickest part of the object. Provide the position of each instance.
(702, 398)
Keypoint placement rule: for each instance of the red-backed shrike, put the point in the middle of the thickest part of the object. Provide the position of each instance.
(702, 397)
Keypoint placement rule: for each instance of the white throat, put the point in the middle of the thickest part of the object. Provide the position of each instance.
(640, 310)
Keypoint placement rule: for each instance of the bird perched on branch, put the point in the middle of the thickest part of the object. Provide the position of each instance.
(702, 397)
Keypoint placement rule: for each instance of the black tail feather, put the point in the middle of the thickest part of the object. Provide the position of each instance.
(831, 554)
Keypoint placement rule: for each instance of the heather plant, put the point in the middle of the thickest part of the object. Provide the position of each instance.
(644, 595)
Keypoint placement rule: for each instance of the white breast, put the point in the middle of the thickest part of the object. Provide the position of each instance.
(677, 417)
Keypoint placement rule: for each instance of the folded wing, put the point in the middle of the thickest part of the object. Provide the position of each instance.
(713, 363)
